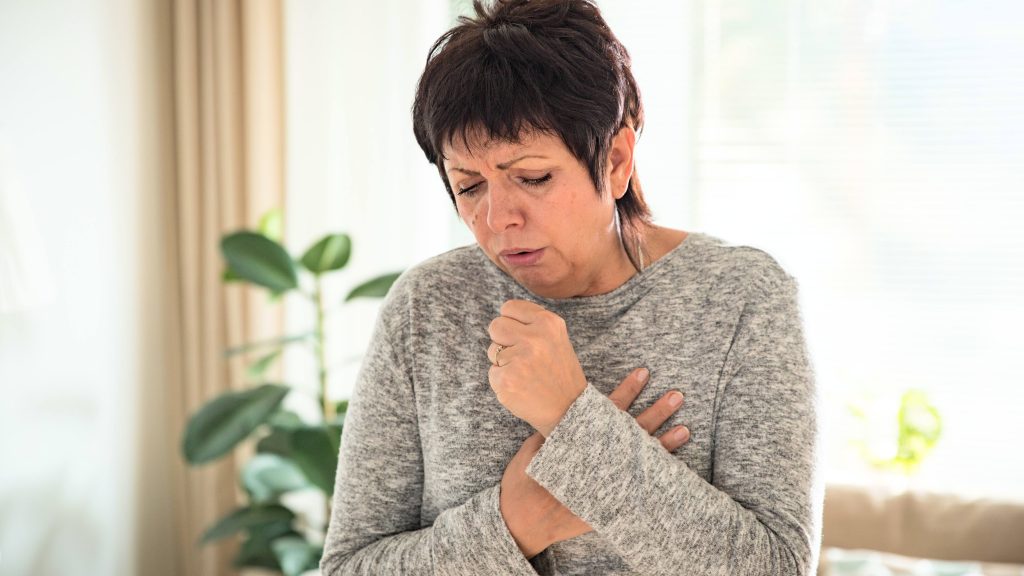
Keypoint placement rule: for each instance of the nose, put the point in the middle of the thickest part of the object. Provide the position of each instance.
(503, 207)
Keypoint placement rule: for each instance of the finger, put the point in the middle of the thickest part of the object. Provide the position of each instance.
(521, 310)
(627, 391)
(494, 356)
(509, 330)
(656, 415)
(675, 438)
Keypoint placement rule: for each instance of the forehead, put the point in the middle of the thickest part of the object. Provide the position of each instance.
(477, 148)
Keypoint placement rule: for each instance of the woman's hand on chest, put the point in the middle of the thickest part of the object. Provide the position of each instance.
(534, 370)
(534, 517)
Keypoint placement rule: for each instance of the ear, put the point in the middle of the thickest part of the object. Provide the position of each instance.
(620, 161)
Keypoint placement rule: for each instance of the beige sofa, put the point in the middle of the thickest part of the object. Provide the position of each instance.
(925, 525)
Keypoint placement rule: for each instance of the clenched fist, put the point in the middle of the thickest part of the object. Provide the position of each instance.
(534, 370)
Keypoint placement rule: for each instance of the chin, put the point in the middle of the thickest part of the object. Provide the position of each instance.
(536, 279)
(542, 289)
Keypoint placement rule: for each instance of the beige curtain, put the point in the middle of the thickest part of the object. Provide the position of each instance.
(229, 129)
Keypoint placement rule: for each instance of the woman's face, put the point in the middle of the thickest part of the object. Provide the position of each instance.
(536, 214)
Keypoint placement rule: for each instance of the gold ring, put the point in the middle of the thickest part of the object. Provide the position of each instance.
(496, 352)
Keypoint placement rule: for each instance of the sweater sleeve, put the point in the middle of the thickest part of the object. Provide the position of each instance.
(375, 515)
(761, 512)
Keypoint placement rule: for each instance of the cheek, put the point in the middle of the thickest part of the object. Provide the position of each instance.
(468, 214)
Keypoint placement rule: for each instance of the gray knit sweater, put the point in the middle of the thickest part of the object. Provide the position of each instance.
(426, 441)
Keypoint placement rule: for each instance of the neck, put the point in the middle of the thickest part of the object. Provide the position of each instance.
(633, 244)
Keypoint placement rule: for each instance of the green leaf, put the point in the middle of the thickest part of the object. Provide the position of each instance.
(246, 518)
(334, 434)
(256, 370)
(256, 550)
(272, 224)
(920, 427)
(340, 411)
(316, 454)
(375, 288)
(295, 554)
(277, 442)
(255, 553)
(281, 341)
(229, 275)
(224, 422)
(260, 260)
(286, 420)
(330, 253)
(339, 419)
(267, 476)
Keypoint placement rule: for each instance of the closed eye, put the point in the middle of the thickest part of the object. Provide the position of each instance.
(537, 181)
(469, 191)
(472, 190)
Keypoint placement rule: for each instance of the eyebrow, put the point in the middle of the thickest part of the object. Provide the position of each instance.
(502, 166)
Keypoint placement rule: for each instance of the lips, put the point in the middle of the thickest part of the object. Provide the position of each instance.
(521, 256)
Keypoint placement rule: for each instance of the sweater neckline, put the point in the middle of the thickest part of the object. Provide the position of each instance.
(625, 295)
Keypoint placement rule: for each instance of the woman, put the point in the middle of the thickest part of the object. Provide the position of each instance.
(514, 413)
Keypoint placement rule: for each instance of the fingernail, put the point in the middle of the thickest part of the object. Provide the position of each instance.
(675, 399)
(681, 434)
(643, 374)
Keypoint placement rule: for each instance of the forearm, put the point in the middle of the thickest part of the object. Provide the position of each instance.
(535, 532)
(377, 506)
(662, 517)
(530, 536)
(469, 539)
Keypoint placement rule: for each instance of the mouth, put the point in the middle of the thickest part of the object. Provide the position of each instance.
(521, 256)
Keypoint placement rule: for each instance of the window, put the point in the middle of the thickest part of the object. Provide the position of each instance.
(876, 149)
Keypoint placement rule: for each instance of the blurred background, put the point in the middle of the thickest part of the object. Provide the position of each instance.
(874, 147)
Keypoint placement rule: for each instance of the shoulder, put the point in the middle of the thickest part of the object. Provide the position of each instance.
(740, 270)
(441, 281)
(441, 272)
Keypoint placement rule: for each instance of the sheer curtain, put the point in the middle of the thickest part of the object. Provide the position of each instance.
(229, 165)
(352, 163)
(142, 132)
(25, 277)
(84, 448)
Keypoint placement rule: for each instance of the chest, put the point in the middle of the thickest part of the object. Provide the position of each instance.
(468, 437)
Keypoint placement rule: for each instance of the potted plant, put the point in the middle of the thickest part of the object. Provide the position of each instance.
(290, 454)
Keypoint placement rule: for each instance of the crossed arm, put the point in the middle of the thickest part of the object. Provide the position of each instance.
(534, 517)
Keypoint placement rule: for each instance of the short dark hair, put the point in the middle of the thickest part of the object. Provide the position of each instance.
(551, 66)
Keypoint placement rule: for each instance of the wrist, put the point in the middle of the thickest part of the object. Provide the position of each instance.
(530, 540)
(528, 536)
(531, 547)
(547, 428)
